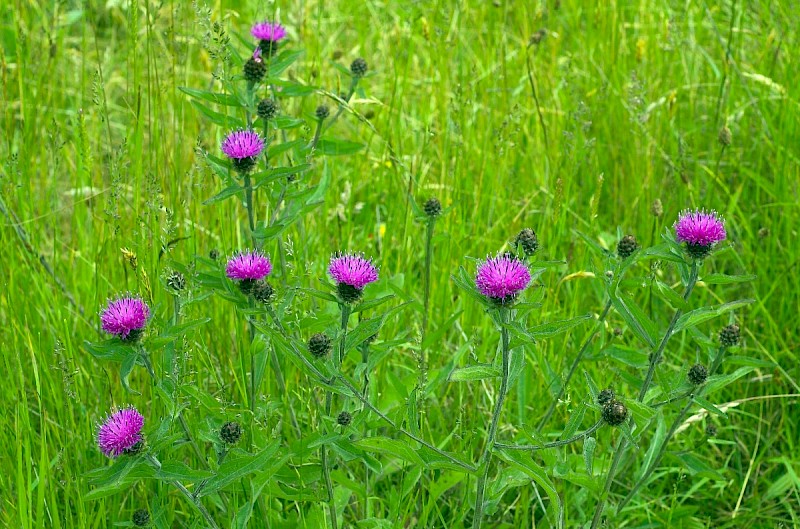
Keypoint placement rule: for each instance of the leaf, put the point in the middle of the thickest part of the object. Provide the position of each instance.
(655, 445)
(238, 465)
(266, 177)
(112, 350)
(716, 383)
(125, 370)
(722, 279)
(217, 118)
(636, 319)
(526, 464)
(228, 192)
(472, 373)
(333, 147)
(708, 406)
(556, 327)
(575, 420)
(278, 64)
(175, 470)
(666, 293)
(213, 97)
(703, 314)
(288, 122)
(390, 447)
(286, 88)
(589, 444)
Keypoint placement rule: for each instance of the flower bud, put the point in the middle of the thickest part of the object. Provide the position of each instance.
(141, 518)
(344, 418)
(267, 109)
(698, 374)
(605, 396)
(176, 281)
(527, 240)
(729, 336)
(263, 292)
(725, 136)
(322, 112)
(230, 432)
(319, 345)
(615, 413)
(254, 69)
(432, 207)
(627, 246)
(137, 448)
(358, 67)
(348, 293)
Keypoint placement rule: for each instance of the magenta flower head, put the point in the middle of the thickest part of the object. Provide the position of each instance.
(269, 34)
(242, 147)
(352, 272)
(248, 268)
(501, 278)
(700, 230)
(121, 432)
(125, 317)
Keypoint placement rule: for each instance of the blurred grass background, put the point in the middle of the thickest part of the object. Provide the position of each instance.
(99, 152)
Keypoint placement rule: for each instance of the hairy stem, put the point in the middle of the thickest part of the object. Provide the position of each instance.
(486, 457)
(426, 296)
(655, 358)
(554, 444)
(248, 199)
(572, 369)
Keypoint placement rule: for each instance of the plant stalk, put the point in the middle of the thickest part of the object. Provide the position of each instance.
(554, 444)
(183, 490)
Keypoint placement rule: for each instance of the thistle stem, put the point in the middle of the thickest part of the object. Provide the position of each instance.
(572, 369)
(248, 198)
(426, 300)
(486, 457)
(554, 444)
(675, 425)
(183, 490)
(655, 358)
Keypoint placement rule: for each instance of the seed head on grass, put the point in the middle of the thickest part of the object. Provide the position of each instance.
(700, 230)
(120, 432)
(125, 318)
(502, 278)
(352, 272)
(243, 147)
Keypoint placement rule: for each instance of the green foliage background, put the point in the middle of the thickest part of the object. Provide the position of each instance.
(98, 153)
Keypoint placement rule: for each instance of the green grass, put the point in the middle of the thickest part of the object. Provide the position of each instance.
(98, 153)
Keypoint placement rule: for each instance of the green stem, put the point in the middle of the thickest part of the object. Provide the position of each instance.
(554, 444)
(202, 484)
(655, 358)
(183, 490)
(353, 85)
(675, 425)
(326, 471)
(572, 369)
(426, 299)
(248, 198)
(342, 346)
(486, 457)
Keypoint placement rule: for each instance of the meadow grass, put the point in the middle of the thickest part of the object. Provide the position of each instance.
(99, 152)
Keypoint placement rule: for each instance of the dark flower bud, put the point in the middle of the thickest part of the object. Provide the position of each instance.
(711, 430)
(627, 246)
(615, 413)
(729, 336)
(322, 112)
(527, 240)
(213, 254)
(254, 69)
(344, 418)
(537, 37)
(349, 293)
(176, 281)
(133, 336)
(263, 292)
(267, 109)
(725, 136)
(432, 207)
(319, 345)
(135, 449)
(337, 54)
(247, 286)
(141, 518)
(605, 396)
(358, 67)
(698, 251)
(230, 432)
(698, 374)
(268, 47)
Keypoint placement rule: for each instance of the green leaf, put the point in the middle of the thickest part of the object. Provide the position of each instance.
(589, 444)
(266, 177)
(223, 120)
(213, 97)
(472, 373)
(334, 147)
(526, 464)
(390, 447)
(278, 64)
(237, 465)
(655, 445)
(698, 316)
(718, 382)
(228, 192)
(125, 370)
(111, 350)
(175, 470)
(288, 122)
(708, 406)
(280, 148)
(722, 279)
(546, 330)
(666, 293)
(286, 88)
(636, 319)
(575, 420)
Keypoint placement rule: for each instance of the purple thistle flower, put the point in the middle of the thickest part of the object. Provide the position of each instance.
(700, 230)
(352, 272)
(125, 317)
(243, 147)
(271, 31)
(120, 432)
(248, 266)
(502, 278)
